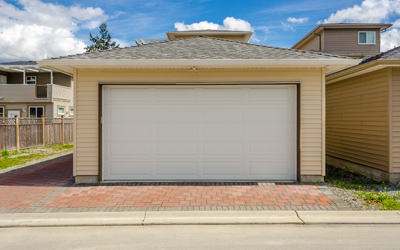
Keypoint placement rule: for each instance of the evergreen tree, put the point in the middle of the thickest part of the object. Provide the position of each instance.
(103, 42)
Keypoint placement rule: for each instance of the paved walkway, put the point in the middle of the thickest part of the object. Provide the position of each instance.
(49, 187)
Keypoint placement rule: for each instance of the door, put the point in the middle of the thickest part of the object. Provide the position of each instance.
(199, 132)
(14, 113)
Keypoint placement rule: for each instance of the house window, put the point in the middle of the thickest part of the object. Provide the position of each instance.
(36, 112)
(61, 110)
(71, 111)
(1, 112)
(31, 80)
(366, 37)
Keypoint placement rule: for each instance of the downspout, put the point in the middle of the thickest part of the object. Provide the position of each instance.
(319, 40)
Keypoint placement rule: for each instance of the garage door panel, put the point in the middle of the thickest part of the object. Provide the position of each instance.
(177, 148)
(270, 168)
(221, 169)
(270, 148)
(268, 113)
(129, 148)
(271, 130)
(176, 130)
(273, 93)
(222, 130)
(127, 131)
(223, 94)
(176, 114)
(222, 149)
(122, 113)
(199, 133)
(129, 168)
(171, 169)
(222, 113)
(176, 95)
(120, 94)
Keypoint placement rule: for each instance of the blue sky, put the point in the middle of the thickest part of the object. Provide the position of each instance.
(154, 18)
(42, 28)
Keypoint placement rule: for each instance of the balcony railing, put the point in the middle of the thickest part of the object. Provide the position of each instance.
(41, 91)
(34, 93)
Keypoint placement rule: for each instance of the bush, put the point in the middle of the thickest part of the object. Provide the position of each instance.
(5, 153)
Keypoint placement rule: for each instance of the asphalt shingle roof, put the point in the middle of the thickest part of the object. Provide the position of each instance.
(200, 47)
(19, 63)
(390, 54)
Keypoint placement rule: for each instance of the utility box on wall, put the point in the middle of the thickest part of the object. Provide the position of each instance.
(3, 79)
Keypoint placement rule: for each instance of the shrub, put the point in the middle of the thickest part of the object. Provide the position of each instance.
(5, 153)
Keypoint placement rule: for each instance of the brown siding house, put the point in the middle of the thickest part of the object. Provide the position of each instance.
(344, 39)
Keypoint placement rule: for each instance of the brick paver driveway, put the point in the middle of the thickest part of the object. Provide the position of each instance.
(49, 187)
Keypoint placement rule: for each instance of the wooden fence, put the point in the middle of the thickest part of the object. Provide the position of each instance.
(22, 133)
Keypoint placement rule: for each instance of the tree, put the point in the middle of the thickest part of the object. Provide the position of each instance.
(103, 42)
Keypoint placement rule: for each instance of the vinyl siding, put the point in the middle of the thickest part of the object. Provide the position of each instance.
(313, 44)
(86, 106)
(357, 127)
(346, 40)
(395, 110)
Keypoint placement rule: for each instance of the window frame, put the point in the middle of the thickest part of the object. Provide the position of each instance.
(29, 111)
(26, 80)
(366, 43)
(58, 114)
(4, 111)
(70, 111)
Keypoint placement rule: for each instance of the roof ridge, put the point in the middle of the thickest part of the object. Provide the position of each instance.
(202, 47)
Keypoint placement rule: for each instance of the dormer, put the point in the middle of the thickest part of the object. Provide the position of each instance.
(240, 36)
(346, 39)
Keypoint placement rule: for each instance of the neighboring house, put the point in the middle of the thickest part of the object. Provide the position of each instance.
(29, 90)
(199, 108)
(362, 102)
(345, 39)
(363, 117)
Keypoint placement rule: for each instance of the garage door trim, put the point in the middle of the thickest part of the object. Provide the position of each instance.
(298, 113)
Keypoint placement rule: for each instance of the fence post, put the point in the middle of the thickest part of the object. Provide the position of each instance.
(62, 118)
(17, 131)
(43, 123)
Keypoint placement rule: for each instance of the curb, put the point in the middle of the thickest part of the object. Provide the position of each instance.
(149, 218)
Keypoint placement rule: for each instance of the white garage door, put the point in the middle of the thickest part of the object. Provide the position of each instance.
(199, 132)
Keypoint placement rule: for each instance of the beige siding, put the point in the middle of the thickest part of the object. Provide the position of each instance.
(346, 40)
(86, 106)
(313, 44)
(357, 120)
(395, 79)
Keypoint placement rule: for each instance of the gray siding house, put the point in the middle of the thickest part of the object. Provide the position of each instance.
(29, 90)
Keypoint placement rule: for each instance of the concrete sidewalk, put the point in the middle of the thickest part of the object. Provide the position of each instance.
(198, 218)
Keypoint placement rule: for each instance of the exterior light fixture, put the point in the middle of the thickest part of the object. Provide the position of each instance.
(193, 69)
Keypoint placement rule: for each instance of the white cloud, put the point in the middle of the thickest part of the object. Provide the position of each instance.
(297, 20)
(40, 30)
(372, 11)
(287, 26)
(390, 39)
(229, 23)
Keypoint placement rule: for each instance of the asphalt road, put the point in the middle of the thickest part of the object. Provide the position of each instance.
(204, 237)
